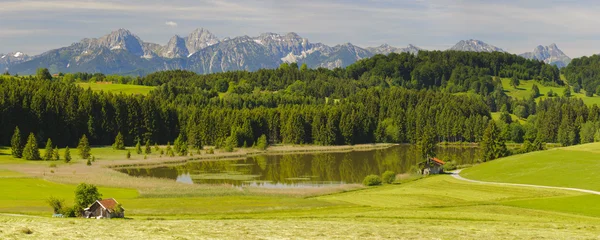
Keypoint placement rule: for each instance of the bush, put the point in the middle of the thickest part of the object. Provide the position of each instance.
(388, 177)
(450, 166)
(372, 180)
(56, 204)
(26, 230)
(52, 165)
(262, 143)
(69, 212)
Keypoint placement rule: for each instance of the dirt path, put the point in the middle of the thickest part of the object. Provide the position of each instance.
(456, 175)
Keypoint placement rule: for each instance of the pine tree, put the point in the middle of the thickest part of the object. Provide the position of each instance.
(147, 149)
(119, 142)
(84, 147)
(48, 150)
(128, 154)
(67, 155)
(426, 142)
(17, 144)
(31, 151)
(492, 144)
(169, 150)
(156, 148)
(138, 147)
(55, 154)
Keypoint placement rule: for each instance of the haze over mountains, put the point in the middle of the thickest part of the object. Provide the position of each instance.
(122, 52)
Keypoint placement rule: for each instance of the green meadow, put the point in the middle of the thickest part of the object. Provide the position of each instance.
(439, 207)
(560, 167)
(523, 91)
(116, 88)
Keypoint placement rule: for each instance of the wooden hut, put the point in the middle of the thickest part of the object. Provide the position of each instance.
(432, 166)
(105, 208)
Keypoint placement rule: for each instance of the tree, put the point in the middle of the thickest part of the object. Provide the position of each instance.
(426, 142)
(520, 111)
(492, 145)
(147, 148)
(535, 91)
(16, 144)
(128, 154)
(262, 143)
(48, 153)
(138, 147)
(85, 195)
(550, 93)
(31, 151)
(56, 204)
(84, 147)
(67, 155)
(43, 74)
(567, 92)
(169, 149)
(119, 142)
(514, 81)
(55, 154)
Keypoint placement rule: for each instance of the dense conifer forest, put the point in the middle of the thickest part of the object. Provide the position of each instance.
(400, 98)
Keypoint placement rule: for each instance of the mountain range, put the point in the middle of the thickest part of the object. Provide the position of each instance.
(122, 52)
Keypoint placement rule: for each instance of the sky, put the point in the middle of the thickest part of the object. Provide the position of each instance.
(34, 27)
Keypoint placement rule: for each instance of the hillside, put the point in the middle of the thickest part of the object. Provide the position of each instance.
(561, 167)
(523, 91)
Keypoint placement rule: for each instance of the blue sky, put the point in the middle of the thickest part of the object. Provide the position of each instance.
(516, 26)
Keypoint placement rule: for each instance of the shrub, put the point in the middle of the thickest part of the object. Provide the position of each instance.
(56, 204)
(372, 180)
(388, 177)
(26, 230)
(52, 165)
(69, 212)
(262, 143)
(450, 166)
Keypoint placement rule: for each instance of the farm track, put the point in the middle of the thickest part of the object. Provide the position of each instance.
(456, 175)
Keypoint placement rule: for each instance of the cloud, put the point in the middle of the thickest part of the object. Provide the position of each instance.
(171, 24)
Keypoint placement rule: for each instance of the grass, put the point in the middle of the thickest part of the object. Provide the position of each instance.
(560, 167)
(117, 88)
(524, 91)
(438, 207)
(435, 207)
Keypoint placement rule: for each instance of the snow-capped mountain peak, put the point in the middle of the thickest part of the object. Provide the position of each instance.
(473, 45)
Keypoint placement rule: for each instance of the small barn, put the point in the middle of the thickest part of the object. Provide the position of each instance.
(105, 208)
(432, 166)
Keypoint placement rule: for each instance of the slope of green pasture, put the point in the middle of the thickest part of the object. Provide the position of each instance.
(524, 91)
(117, 88)
(561, 167)
(29, 195)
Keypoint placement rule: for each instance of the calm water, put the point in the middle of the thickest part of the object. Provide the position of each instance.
(302, 170)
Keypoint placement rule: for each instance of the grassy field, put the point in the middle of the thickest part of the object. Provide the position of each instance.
(439, 207)
(561, 167)
(524, 91)
(117, 88)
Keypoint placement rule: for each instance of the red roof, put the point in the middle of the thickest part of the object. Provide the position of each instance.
(109, 204)
(438, 161)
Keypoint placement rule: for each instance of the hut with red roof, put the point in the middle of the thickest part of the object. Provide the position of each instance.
(432, 166)
(105, 208)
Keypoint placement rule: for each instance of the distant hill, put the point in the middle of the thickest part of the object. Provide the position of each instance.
(549, 54)
(473, 45)
(122, 52)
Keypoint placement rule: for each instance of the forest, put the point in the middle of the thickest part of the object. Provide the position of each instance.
(439, 96)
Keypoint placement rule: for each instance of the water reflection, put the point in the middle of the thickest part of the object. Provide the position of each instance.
(302, 170)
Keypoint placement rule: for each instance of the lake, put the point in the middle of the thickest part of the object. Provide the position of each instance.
(302, 170)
